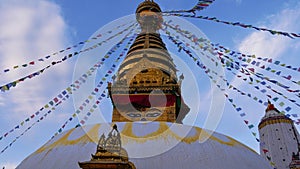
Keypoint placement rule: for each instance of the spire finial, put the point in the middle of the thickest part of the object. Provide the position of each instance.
(115, 127)
(148, 15)
(270, 106)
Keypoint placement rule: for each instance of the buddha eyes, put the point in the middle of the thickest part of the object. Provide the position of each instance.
(134, 115)
(152, 114)
(149, 114)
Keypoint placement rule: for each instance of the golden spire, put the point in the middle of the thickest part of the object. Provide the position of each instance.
(148, 15)
(147, 69)
(148, 44)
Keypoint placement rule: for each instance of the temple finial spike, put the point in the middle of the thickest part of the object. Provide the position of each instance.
(115, 127)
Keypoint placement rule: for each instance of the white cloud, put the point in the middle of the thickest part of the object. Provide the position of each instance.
(272, 46)
(30, 30)
(262, 44)
(265, 44)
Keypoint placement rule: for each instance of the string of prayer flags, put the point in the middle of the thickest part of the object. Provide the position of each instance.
(273, 32)
(207, 70)
(201, 4)
(42, 59)
(85, 118)
(275, 99)
(27, 129)
(295, 121)
(60, 130)
(11, 143)
(249, 58)
(262, 90)
(96, 89)
(73, 87)
(250, 71)
(231, 61)
(244, 93)
(88, 114)
(238, 109)
(244, 57)
(14, 83)
(262, 83)
(266, 152)
(223, 52)
(64, 93)
(231, 65)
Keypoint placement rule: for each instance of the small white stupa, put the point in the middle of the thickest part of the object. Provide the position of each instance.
(279, 139)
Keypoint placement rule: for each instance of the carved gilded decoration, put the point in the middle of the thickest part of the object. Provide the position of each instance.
(109, 153)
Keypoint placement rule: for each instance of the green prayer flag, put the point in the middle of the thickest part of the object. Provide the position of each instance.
(281, 104)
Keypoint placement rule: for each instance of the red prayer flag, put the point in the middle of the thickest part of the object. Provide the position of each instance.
(265, 151)
(55, 100)
(251, 69)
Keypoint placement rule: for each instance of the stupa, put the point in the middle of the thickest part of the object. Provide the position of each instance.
(148, 110)
(279, 139)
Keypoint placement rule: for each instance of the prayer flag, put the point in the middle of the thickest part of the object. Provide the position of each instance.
(55, 99)
(265, 151)
(288, 109)
(238, 109)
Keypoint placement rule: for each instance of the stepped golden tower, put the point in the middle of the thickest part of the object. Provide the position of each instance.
(147, 87)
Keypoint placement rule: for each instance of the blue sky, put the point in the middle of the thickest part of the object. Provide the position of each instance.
(33, 29)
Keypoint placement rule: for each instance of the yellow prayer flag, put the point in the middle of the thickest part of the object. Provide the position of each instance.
(5, 88)
(69, 89)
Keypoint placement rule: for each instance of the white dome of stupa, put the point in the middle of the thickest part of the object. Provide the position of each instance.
(160, 145)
